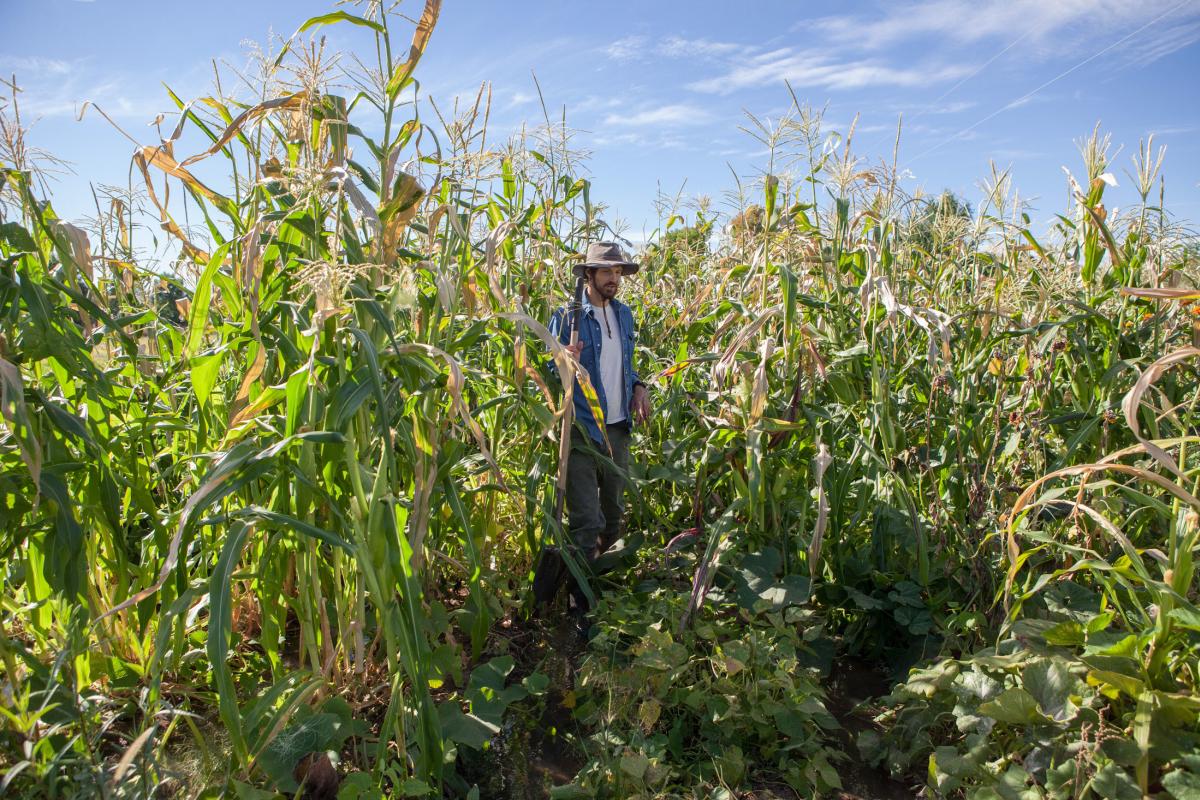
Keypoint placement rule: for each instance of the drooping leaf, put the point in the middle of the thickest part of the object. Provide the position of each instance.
(420, 40)
(1051, 683)
(1015, 707)
(464, 728)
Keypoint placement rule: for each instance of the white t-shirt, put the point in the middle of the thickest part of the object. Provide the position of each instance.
(611, 372)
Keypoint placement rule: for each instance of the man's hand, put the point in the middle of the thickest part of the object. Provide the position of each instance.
(641, 404)
(575, 349)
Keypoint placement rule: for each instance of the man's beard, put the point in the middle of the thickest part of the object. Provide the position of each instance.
(607, 290)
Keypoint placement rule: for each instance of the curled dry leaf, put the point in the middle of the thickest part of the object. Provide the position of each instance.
(447, 211)
(158, 157)
(455, 385)
(398, 212)
(1162, 293)
(934, 322)
(130, 754)
(758, 396)
(168, 223)
(241, 410)
(292, 101)
(491, 250)
(567, 365)
(723, 365)
(1025, 501)
(419, 42)
(79, 256)
(1133, 401)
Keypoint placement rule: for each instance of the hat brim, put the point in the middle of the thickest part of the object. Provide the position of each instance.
(627, 267)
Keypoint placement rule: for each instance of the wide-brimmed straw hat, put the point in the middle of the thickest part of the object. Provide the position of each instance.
(606, 254)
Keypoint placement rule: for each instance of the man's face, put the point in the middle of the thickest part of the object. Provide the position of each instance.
(606, 281)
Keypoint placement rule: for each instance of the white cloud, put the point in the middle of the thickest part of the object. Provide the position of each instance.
(594, 103)
(620, 138)
(665, 116)
(35, 66)
(638, 48)
(66, 99)
(1163, 43)
(1046, 25)
(679, 47)
(641, 141)
(519, 99)
(56, 88)
(627, 48)
(807, 69)
(1174, 130)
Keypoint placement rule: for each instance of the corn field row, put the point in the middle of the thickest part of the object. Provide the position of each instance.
(283, 495)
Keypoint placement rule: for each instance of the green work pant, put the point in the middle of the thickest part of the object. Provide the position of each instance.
(596, 489)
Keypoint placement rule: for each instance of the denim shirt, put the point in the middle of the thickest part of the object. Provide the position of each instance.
(591, 335)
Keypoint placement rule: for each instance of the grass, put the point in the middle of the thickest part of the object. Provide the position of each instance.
(292, 484)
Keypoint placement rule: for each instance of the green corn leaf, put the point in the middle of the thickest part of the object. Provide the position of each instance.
(220, 634)
(202, 300)
(204, 372)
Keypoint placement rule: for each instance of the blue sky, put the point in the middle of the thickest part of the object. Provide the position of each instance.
(659, 90)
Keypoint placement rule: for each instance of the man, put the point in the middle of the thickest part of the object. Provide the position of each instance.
(595, 488)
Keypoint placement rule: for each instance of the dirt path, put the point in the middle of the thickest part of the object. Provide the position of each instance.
(538, 746)
(853, 683)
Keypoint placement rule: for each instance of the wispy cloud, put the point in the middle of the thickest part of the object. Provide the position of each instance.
(1175, 130)
(641, 141)
(112, 96)
(594, 102)
(808, 69)
(636, 48)
(1019, 102)
(35, 66)
(666, 116)
(679, 47)
(1164, 43)
(1045, 26)
(874, 128)
(59, 88)
(519, 99)
(627, 48)
(945, 107)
